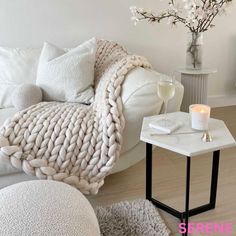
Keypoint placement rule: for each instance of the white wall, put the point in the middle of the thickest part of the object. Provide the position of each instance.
(27, 23)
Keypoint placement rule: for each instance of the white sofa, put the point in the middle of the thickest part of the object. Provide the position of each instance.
(140, 99)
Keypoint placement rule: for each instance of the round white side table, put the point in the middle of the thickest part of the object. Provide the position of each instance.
(195, 84)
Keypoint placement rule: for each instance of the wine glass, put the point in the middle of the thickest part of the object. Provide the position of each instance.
(166, 91)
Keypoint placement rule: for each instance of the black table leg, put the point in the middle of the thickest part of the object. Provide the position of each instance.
(214, 178)
(188, 166)
(148, 171)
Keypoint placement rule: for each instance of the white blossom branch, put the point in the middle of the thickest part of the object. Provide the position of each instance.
(197, 16)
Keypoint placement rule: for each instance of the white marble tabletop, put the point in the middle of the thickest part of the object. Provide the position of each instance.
(187, 144)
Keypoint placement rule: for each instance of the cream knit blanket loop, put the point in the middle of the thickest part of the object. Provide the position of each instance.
(71, 142)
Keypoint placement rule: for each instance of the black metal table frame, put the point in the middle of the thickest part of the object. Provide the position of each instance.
(183, 216)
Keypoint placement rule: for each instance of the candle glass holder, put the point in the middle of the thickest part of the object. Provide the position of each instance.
(200, 115)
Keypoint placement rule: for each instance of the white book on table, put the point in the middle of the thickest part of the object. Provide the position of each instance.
(165, 126)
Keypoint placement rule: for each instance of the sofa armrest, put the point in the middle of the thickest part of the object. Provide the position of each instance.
(140, 79)
(140, 99)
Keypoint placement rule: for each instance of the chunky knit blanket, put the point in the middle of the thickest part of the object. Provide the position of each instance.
(74, 143)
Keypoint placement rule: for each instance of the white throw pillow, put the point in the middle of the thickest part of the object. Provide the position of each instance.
(67, 75)
(17, 66)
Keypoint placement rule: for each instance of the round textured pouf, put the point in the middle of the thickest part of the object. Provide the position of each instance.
(44, 207)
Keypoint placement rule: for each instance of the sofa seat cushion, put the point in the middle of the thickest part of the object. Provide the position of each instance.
(5, 167)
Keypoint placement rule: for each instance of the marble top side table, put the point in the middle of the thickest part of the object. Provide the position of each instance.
(189, 144)
(195, 84)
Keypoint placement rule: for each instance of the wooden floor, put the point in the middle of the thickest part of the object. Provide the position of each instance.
(169, 181)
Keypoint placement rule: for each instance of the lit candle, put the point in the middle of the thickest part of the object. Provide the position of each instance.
(200, 115)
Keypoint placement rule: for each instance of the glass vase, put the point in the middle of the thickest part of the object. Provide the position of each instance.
(194, 51)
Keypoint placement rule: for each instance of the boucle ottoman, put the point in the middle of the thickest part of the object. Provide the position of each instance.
(44, 207)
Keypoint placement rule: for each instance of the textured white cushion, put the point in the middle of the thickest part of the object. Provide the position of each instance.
(44, 207)
(26, 95)
(67, 76)
(17, 66)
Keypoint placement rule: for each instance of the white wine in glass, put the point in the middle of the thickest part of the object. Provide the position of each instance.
(166, 91)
